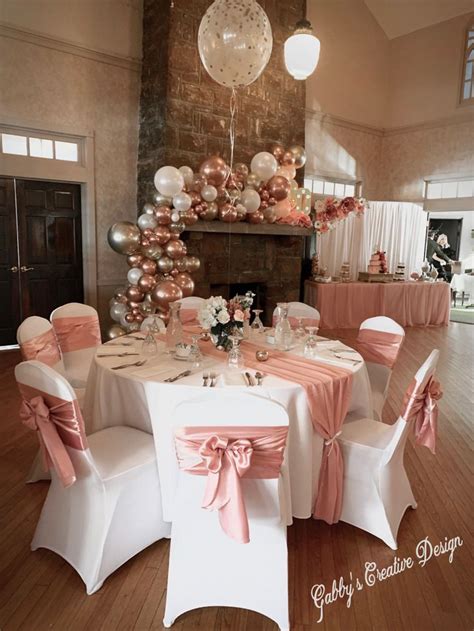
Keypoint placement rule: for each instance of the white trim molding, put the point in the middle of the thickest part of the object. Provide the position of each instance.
(64, 46)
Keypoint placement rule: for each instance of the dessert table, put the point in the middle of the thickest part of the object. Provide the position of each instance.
(410, 303)
(139, 397)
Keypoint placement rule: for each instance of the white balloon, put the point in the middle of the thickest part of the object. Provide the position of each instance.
(148, 209)
(188, 175)
(169, 181)
(175, 217)
(250, 199)
(209, 193)
(264, 164)
(117, 310)
(147, 221)
(235, 41)
(182, 202)
(134, 275)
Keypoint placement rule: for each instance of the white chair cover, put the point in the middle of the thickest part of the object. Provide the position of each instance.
(376, 487)
(207, 568)
(380, 375)
(76, 362)
(113, 509)
(298, 310)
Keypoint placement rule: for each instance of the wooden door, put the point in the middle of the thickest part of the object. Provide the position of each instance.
(9, 265)
(49, 230)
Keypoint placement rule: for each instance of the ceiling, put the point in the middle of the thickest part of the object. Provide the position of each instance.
(399, 17)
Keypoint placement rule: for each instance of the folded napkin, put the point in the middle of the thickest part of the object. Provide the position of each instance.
(232, 378)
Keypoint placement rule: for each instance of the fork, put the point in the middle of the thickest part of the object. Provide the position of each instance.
(348, 359)
(213, 378)
(118, 355)
(205, 377)
(140, 363)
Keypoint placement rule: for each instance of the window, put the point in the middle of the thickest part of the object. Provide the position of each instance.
(34, 147)
(328, 187)
(449, 189)
(467, 84)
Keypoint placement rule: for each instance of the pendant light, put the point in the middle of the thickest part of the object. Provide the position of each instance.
(302, 51)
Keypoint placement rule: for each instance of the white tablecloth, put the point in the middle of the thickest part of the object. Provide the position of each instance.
(463, 283)
(137, 397)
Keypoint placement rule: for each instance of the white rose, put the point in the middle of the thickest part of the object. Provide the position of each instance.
(223, 316)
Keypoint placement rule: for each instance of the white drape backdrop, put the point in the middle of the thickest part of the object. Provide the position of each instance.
(398, 228)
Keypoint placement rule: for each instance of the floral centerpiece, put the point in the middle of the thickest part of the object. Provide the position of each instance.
(331, 210)
(222, 317)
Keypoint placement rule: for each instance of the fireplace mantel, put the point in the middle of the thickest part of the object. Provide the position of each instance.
(273, 229)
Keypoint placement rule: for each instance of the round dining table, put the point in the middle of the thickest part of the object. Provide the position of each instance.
(138, 396)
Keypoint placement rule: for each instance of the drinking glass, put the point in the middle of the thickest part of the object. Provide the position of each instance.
(283, 332)
(311, 344)
(235, 360)
(195, 355)
(149, 346)
(300, 331)
(257, 325)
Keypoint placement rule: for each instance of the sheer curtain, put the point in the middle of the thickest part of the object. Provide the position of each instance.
(398, 228)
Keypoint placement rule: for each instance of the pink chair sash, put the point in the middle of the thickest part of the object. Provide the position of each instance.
(77, 333)
(58, 423)
(295, 321)
(379, 347)
(43, 348)
(421, 408)
(189, 316)
(225, 455)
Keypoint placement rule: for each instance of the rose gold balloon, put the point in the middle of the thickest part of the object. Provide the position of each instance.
(195, 198)
(133, 293)
(139, 318)
(135, 311)
(215, 170)
(241, 170)
(153, 251)
(222, 196)
(256, 217)
(288, 158)
(129, 317)
(278, 151)
(174, 272)
(278, 187)
(163, 215)
(189, 217)
(186, 283)
(272, 201)
(211, 213)
(133, 305)
(162, 234)
(192, 264)
(120, 296)
(148, 266)
(146, 282)
(144, 242)
(228, 213)
(282, 208)
(165, 265)
(175, 249)
(181, 264)
(288, 171)
(165, 292)
(177, 228)
(241, 212)
(147, 233)
(269, 216)
(263, 205)
(165, 317)
(134, 260)
(199, 181)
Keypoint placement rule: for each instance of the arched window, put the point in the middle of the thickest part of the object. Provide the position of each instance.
(467, 85)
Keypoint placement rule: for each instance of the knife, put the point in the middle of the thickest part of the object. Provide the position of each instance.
(181, 374)
(250, 379)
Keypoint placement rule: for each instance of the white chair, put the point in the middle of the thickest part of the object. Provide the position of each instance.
(297, 311)
(78, 331)
(113, 509)
(190, 307)
(149, 321)
(380, 373)
(376, 487)
(37, 340)
(207, 567)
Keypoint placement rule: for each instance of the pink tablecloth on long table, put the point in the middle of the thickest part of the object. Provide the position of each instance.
(346, 305)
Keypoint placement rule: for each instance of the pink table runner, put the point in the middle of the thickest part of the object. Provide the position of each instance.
(328, 391)
(347, 305)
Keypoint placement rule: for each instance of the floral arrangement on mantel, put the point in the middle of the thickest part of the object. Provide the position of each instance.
(222, 317)
(329, 212)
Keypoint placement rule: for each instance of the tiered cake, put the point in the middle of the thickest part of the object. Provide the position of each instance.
(345, 272)
(400, 272)
(378, 263)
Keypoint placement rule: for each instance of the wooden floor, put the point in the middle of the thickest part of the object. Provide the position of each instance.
(41, 591)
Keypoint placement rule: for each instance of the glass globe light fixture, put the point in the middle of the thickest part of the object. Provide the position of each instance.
(302, 51)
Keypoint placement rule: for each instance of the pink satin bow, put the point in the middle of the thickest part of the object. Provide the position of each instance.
(379, 347)
(37, 416)
(225, 456)
(42, 347)
(422, 409)
(77, 333)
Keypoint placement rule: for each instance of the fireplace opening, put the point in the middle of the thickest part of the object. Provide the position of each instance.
(231, 290)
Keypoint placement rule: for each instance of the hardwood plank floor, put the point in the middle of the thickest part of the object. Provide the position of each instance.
(41, 591)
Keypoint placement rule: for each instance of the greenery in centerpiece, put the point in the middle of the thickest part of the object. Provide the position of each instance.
(223, 318)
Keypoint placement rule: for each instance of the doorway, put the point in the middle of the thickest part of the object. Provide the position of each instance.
(40, 250)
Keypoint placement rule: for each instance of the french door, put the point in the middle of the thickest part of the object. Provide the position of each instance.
(40, 250)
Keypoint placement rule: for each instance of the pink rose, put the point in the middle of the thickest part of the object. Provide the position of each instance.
(239, 315)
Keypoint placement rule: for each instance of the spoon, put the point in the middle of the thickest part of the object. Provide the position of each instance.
(259, 376)
(205, 377)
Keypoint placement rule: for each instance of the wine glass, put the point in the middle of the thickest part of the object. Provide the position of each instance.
(300, 331)
(195, 355)
(149, 346)
(235, 360)
(311, 344)
(257, 325)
